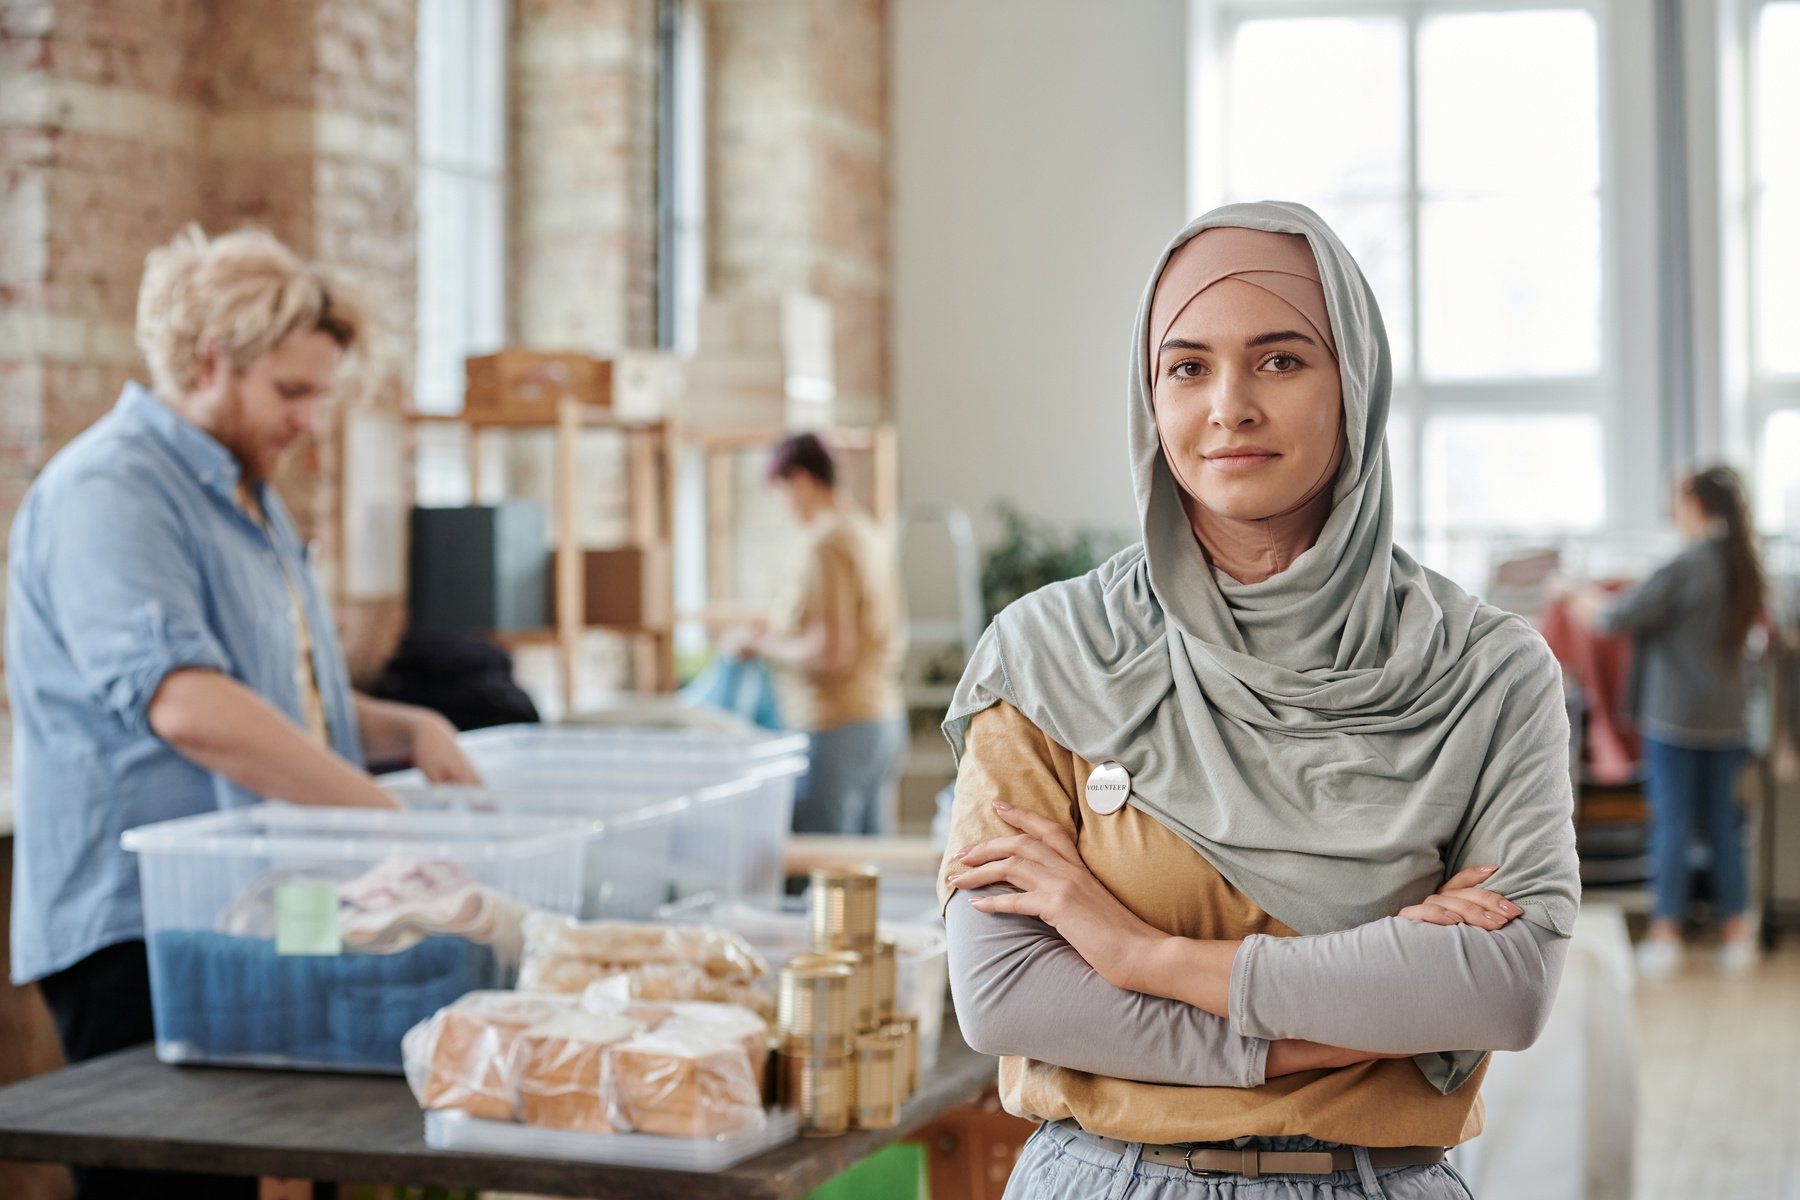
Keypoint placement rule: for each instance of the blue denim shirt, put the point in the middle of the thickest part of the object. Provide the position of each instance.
(131, 557)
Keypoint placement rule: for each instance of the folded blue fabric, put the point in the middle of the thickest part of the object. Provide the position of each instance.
(220, 998)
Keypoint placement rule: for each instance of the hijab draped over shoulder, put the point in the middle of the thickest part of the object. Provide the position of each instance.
(1333, 738)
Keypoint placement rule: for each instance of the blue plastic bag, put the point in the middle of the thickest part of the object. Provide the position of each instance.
(738, 685)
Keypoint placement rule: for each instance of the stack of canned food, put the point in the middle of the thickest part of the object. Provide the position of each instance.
(848, 1058)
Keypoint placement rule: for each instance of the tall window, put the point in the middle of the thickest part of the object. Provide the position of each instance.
(1456, 150)
(1773, 197)
(681, 172)
(462, 190)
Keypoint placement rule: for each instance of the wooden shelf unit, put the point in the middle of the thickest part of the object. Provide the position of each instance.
(650, 487)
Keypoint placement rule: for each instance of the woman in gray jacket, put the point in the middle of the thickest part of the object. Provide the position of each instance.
(1690, 620)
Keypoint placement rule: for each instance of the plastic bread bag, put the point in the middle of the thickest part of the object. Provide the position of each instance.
(565, 955)
(692, 1076)
(746, 1026)
(460, 1056)
(663, 983)
(558, 1070)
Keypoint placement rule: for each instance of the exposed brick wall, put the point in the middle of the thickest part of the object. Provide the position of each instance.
(798, 200)
(582, 146)
(797, 169)
(119, 123)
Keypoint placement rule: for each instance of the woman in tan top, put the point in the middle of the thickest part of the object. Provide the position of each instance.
(1265, 721)
(836, 640)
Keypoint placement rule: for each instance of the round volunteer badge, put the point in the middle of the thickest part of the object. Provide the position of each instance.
(1108, 788)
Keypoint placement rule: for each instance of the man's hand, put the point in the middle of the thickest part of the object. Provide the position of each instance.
(436, 754)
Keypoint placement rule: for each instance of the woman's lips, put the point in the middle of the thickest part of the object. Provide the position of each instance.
(1238, 461)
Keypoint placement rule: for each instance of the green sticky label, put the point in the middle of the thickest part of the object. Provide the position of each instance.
(306, 919)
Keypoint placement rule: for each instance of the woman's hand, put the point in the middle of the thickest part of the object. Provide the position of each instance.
(435, 752)
(1460, 902)
(744, 642)
(1056, 886)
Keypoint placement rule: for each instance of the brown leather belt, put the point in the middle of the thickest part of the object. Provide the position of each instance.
(1254, 1163)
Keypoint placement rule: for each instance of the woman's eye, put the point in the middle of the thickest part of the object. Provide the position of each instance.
(1185, 370)
(1283, 362)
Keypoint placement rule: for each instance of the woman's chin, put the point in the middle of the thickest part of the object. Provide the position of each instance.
(1242, 504)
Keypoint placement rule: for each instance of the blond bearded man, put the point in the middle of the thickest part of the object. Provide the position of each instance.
(168, 650)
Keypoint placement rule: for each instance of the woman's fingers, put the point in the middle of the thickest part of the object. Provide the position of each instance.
(1016, 871)
(1494, 902)
(1430, 913)
(1017, 846)
(1468, 877)
(1471, 912)
(1054, 836)
(1026, 904)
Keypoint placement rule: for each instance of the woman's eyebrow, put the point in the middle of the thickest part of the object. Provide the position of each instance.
(1286, 335)
(1261, 339)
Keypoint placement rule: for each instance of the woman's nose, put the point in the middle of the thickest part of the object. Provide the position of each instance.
(1232, 406)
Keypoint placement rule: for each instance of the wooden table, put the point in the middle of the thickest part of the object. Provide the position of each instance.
(129, 1110)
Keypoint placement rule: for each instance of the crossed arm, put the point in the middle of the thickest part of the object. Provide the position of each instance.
(1136, 1003)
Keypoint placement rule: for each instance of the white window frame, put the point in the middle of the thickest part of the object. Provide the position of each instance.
(681, 158)
(1636, 457)
(1752, 396)
(473, 48)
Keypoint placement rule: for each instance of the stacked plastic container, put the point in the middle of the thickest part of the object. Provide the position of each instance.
(315, 938)
(708, 813)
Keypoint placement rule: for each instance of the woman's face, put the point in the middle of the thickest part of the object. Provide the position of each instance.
(1247, 402)
(1691, 520)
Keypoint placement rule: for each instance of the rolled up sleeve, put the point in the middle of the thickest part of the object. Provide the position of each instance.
(126, 593)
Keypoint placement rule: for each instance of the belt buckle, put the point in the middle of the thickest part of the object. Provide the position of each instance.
(1187, 1161)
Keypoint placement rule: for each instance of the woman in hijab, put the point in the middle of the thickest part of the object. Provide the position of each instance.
(1265, 720)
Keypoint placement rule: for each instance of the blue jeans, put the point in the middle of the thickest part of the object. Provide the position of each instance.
(852, 768)
(1685, 785)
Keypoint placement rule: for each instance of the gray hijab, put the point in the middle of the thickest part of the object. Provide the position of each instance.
(1335, 739)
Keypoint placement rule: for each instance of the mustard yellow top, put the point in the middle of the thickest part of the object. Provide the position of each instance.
(849, 579)
(1167, 884)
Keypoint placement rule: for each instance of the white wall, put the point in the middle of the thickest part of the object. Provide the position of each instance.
(1038, 165)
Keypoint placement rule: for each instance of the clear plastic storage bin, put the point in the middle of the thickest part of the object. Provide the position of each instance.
(459, 1131)
(728, 840)
(305, 937)
(552, 752)
(631, 861)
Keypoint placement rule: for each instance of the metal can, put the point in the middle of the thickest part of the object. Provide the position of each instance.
(904, 1031)
(812, 1005)
(841, 909)
(818, 1089)
(877, 1104)
(862, 986)
(886, 969)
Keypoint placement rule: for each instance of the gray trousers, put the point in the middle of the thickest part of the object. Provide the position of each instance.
(1059, 1164)
(853, 766)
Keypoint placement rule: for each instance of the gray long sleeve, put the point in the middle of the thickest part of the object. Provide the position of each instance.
(1389, 987)
(1020, 989)
(1400, 987)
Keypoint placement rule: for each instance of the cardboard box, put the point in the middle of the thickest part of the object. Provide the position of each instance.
(630, 586)
(749, 393)
(793, 329)
(527, 385)
(646, 384)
